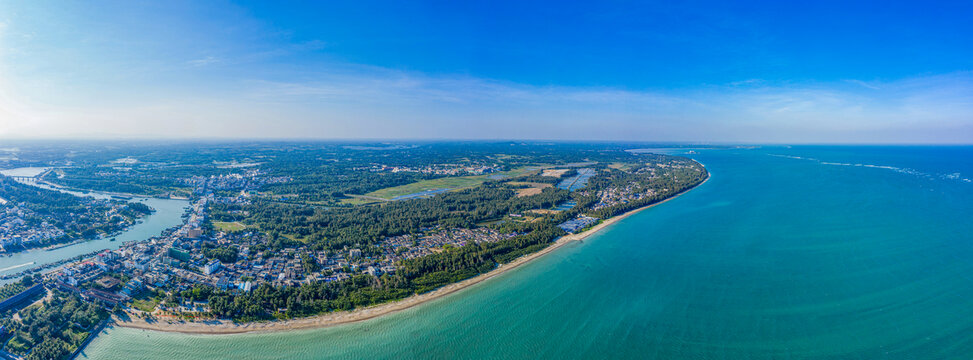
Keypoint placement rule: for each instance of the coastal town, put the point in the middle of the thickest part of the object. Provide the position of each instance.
(32, 217)
(176, 262)
(252, 233)
(15, 231)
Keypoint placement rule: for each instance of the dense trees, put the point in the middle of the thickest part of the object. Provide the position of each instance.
(41, 200)
(331, 183)
(335, 228)
(225, 255)
(416, 276)
(54, 329)
(15, 288)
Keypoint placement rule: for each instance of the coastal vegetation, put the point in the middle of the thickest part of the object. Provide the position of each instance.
(337, 229)
(310, 228)
(52, 329)
(333, 229)
(9, 290)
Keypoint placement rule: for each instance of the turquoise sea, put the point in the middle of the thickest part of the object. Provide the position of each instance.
(785, 253)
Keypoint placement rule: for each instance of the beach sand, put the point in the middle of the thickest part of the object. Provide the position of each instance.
(345, 317)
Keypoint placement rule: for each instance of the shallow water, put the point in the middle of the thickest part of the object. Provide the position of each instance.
(781, 255)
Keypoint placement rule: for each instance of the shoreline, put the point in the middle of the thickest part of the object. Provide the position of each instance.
(217, 327)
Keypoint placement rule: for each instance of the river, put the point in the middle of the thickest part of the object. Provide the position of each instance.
(168, 213)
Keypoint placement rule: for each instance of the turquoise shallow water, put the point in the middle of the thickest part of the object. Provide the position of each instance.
(786, 253)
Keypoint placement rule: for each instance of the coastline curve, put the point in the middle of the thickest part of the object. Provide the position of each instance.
(217, 327)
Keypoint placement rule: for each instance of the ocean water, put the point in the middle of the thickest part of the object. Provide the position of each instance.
(785, 253)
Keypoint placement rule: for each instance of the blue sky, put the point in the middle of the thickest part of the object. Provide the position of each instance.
(777, 72)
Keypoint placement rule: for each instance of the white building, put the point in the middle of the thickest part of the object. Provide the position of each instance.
(212, 267)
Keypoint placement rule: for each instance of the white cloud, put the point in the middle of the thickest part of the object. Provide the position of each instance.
(209, 60)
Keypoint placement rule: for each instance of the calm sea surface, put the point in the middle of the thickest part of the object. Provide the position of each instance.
(786, 253)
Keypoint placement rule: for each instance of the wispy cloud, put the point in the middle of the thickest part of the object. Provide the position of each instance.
(863, 84)
(935, 108)
(209, 60)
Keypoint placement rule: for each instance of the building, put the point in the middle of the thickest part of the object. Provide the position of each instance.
(179, 254)
(193, 233)
(211, 267)
(371, 270)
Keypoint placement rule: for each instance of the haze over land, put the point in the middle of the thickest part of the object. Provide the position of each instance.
(209, 179)
(704, 72)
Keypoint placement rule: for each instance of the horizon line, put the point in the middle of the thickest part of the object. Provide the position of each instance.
(446, 139)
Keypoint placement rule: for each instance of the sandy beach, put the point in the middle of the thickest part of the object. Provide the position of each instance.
(345, 317)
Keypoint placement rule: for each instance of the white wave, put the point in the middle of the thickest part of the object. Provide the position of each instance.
(18, 266)
(953, 176)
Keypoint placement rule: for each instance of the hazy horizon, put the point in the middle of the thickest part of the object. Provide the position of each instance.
(529, 141)
(705, 72)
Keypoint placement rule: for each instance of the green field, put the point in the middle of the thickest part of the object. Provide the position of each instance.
(294, 237)
(452, 183)
(228, 226)
(359, 200)
(621, 166)
(146, 305)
